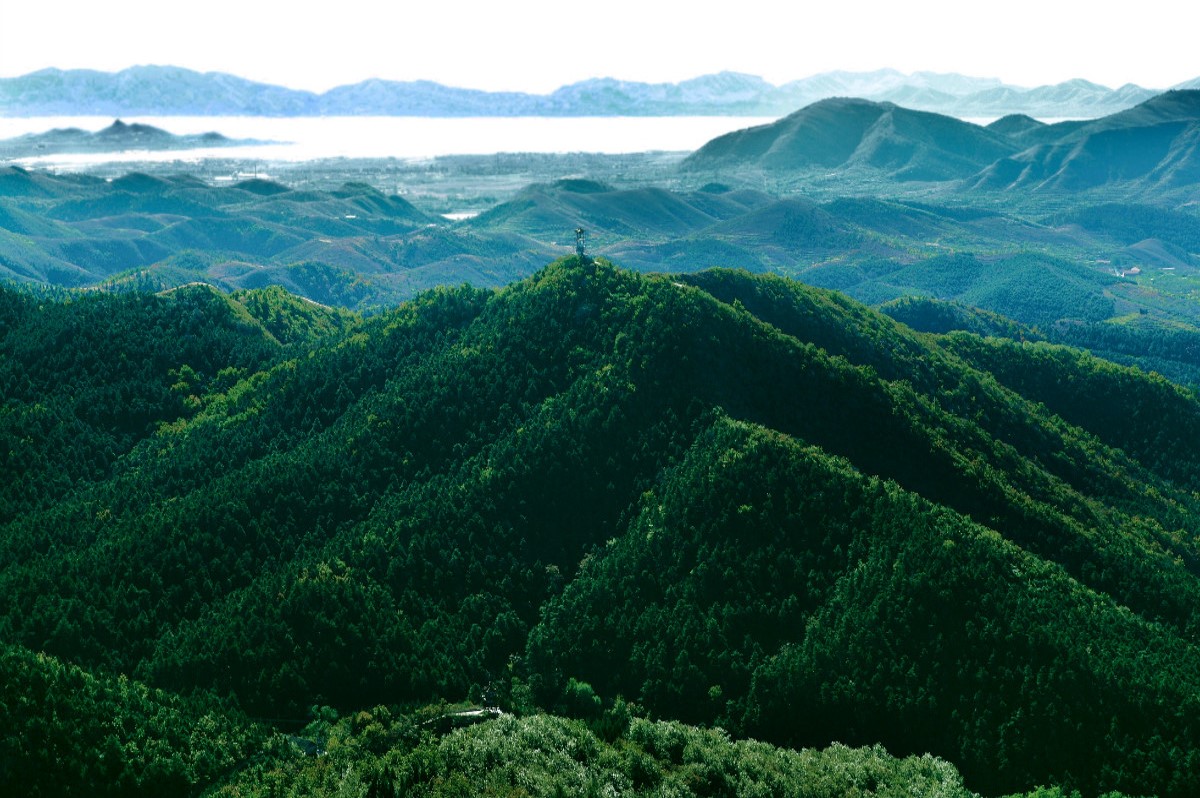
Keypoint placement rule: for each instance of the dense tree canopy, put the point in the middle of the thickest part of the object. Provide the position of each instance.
(721, 499)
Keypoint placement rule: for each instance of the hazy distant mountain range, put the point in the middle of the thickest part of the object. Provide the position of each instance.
(118, 136)
(165, 91)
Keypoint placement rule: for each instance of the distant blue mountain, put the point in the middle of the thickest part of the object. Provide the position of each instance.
(116, 137)
(173, 91)
(149, 91)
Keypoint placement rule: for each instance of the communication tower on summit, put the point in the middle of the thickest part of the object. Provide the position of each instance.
(580, 235)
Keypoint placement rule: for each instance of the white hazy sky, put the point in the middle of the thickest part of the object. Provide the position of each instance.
(539, 45)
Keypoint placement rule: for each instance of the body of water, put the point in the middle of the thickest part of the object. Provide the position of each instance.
(310, 138)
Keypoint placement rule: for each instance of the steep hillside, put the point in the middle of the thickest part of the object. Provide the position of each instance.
(1152, 146)
(873, 146)
(1161, 154)
(728, 499)
(70, 732)
(1172, 106)
(1146, 416)
(846, 133)
(1173, 352)
(85, 381)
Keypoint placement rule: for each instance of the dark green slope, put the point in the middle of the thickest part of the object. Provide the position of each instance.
(371, 200)
(1000, 427)
(689, 254)
(23, 260)
(84, 381)
(235, 236)
(1148, 417)
(1172, 351)
(157, 197)
(69, 732)
(88, 735)
(1147, 152)
(456, 494)
(770, 587)
(1180, 168)
(102, 256)
(940, 316)
(1168, 107)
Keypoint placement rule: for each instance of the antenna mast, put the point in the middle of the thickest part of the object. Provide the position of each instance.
(580, 235)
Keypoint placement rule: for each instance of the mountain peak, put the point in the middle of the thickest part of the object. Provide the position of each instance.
(1081, 83)
(846, 132)
(119, 128)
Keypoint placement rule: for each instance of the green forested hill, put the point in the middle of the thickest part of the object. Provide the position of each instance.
(353, 246)
(1113, 271)
(719, 499)
(1148, 150)
(84, 379)
(69, 732)
(852, 133)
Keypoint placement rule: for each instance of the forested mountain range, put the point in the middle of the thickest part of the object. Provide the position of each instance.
(1099, 269)
(167, 91)
(841, 132)
(716, 498)
(1146, 150)
(283, 509)
(349, 246)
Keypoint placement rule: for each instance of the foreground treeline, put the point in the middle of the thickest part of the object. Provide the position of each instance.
(720, 500)
(92, 736)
